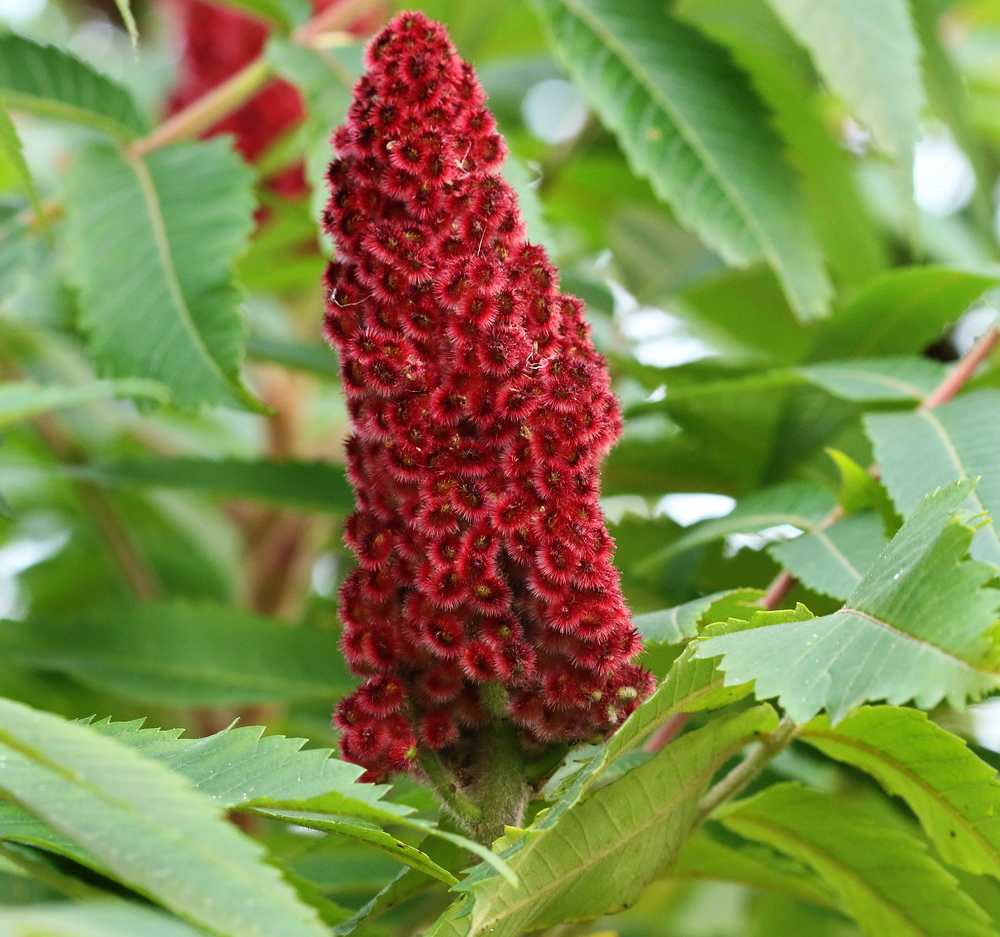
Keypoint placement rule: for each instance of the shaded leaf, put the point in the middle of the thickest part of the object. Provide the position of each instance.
(913, 628)
(702, 857)
(22, 400)
(151, 829)
(952, 791)
(883, 875)
(158, 234)
(184, 654)
(315, 485)
(689, 120)
(49, 81)
(900, 312)
(920, 451)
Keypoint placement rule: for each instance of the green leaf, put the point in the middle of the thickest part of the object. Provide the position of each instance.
(869, 56)
(240, 769)
(105, 919)
(148, 826)
(314, 359)
(703, 858)
(885, 878)
(49, 81)
(899, 313)
(10, 146)
(913, 628)
(157, 234)
(315, 485)
(22, 400)
(287, 13)
(371, 836)
(184, 654)
(920, 451)
(872, 380)
(833, 560)
(606, 848)
(674, 625)
(953, 793)
(689, 121)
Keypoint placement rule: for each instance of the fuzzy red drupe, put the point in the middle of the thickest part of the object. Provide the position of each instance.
(481, 413)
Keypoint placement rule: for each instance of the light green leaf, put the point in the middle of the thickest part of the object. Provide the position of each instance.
(10, 146)
(105, 919)
(240, 769)
(689, 121)
(148, 826)
(674, 625)
(913, 628)
(953, 792)
(22, 400)
(151, 243)
(834, 560)
(184, 654)
(49, 81)
(900, 312)
(605, 849)
(888, 883)
(315, 485)
(871, 380)
(869, 55)
(917, 452)
(703, 858)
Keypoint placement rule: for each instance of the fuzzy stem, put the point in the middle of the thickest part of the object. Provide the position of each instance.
(748, 768)
(463, 809)
(500, 788)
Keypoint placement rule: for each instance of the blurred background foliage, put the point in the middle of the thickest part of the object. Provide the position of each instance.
(212, 524)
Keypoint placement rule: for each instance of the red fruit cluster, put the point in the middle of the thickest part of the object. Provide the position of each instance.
(218, 41)
(481, 412)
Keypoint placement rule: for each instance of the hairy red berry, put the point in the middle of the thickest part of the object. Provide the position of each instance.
(481, 411)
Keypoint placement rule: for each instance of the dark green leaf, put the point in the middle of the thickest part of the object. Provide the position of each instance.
(315, 485)
(181, 654)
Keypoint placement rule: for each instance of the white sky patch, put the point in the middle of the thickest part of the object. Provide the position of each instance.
(736, 542)
(661, 339)
(554, 111)
(943, 180)
(18, 12)
(15, 558)
(687, 509)
(972, 326)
